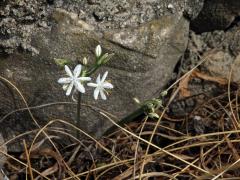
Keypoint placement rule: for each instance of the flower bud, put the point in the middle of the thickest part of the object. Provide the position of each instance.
(136, 100)
(98, 51)
(153, 115)
(65, 86)
(85, 61)
(164, 93)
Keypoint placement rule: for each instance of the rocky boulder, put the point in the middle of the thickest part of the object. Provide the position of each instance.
(226, 58)
(147, 46)
(222, 49)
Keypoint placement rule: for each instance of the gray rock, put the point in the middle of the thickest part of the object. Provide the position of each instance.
(220, 64)
(19, 19)
(216, 15)
(146, 53)
(226, 54)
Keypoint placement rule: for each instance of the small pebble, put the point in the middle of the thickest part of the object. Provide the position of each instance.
(170, 6)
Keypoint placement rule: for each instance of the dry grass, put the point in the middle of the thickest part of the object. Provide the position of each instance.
(168, 148)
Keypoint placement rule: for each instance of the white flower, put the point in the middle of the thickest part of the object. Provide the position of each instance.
(73, 80)
(98, 51)
(100, 86)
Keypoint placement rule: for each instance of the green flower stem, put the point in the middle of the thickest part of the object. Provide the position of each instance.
(98, 64)
(91, 71)
(79, 99)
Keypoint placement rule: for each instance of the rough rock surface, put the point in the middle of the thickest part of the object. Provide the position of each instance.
(226, 54)
(145, 62)
(220, 45)
(147, 43)
(19, 19)
(217, 15)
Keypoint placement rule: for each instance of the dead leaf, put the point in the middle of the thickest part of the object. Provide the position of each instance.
(183, 84)
(207, 77)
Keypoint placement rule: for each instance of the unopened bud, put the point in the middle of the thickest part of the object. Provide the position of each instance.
(153, 115)
(98, 51)
(164, 93)
(85, 61)
(136, 100)
(65, 86)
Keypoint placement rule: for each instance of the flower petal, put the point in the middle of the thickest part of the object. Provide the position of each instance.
(64, 80)
(107, 85)
(84, 79)
(96, 93)
(69, 89)
(79, 87)
(103, 96)
(104, 76)
(98, 79)
(77, 70)
(68, 71)
(92, 84)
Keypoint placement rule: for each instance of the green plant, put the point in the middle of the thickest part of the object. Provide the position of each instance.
(75, 81)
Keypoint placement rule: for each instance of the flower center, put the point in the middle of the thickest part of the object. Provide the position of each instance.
(74, 79)
(100, 87)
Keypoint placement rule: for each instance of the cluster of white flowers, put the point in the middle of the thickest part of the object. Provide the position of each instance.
(75, 80)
